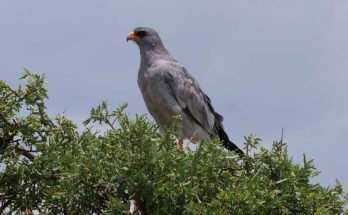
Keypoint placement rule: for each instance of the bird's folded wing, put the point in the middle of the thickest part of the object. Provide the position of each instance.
(190, 96)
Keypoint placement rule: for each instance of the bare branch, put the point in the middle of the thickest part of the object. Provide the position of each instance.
(24, 152)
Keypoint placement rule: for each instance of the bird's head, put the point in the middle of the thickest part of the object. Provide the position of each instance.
(146, 38)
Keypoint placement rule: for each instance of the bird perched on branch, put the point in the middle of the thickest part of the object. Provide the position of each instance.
(169, 90)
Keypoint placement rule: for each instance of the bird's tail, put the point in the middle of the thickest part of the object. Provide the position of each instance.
(229, 145)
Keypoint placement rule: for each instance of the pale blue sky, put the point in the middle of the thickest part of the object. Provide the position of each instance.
(265, 64)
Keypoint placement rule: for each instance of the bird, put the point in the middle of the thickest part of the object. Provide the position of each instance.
(170, 91)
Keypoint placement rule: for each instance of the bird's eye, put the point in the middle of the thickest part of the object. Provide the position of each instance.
(141, 33)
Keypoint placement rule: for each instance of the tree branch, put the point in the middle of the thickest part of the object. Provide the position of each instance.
(24, 152)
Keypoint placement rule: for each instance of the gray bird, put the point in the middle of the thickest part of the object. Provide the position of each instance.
(169, 90)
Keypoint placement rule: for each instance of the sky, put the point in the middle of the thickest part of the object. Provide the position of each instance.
(265, 64)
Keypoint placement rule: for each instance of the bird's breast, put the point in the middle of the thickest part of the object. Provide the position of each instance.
(159, 100)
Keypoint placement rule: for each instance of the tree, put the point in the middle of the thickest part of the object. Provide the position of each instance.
(49, 166)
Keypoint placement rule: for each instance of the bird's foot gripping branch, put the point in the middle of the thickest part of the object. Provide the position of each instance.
(47, 165)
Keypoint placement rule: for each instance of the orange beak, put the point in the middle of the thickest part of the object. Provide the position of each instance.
(132, 36)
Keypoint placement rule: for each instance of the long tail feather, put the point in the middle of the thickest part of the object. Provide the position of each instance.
(226, 141)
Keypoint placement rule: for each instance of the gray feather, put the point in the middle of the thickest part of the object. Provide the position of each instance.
(169, 90)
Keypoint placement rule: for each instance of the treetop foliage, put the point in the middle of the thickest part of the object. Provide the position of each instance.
(48, 165)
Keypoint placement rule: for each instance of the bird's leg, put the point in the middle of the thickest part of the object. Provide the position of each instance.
(180, 144)
(28, 211)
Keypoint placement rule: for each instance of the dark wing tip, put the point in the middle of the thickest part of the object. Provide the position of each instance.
(233, 147)
(229, 145)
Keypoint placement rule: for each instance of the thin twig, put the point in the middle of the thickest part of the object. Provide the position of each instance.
(281, 138)
(110, 124)
(24, 152)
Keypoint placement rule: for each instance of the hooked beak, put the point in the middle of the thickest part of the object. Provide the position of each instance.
(132, 36)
